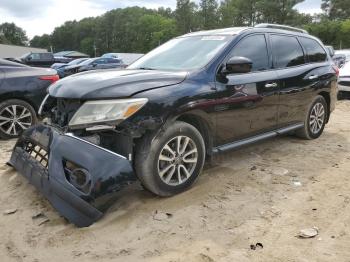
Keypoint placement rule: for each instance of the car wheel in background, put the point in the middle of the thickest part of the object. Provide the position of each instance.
(315, 119)
(170, 162)
(15, 116)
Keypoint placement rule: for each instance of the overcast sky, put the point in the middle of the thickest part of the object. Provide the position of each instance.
(37, 17)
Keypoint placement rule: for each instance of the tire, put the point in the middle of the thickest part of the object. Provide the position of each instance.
(153, 157)
(15, 116)
(318, 109)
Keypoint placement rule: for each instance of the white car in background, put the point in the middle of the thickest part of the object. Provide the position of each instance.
(344, 81)
(340, 57)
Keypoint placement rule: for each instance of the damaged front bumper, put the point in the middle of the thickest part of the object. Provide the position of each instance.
(80, 179)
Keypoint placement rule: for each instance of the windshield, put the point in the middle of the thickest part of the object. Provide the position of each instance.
(76, 61)
(184, 53)
(25, 55)
(87, 62)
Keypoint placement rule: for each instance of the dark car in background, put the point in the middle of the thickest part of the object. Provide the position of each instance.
(193, 97)
(22, 89)
(94, 64)
(38, 59)
(61, 67)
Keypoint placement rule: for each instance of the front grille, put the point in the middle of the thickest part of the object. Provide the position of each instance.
(38, 153)
(63, 111)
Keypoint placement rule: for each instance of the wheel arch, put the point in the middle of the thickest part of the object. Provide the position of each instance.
(7, 96)
(327, 97)
(204, 127)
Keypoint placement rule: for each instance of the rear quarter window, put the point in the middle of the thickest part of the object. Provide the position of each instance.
(314, 50)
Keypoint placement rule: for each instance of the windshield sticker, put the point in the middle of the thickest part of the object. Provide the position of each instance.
(213, 38)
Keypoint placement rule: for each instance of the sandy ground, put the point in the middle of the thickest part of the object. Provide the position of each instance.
(262, 194)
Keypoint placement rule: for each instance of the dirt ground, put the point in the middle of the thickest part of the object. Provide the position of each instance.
(264, 194)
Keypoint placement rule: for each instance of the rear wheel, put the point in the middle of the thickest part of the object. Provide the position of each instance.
(315, 119)
(170, 162)
(15, 116)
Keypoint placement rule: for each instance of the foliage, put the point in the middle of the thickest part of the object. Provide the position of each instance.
(12, 34)
(336, 9)
(335, 33)
(136, 29)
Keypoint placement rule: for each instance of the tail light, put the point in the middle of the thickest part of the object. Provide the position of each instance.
(336, 69)
(52, 78)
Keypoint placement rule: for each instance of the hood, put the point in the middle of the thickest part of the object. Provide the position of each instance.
(104, 84)
(72, 67)
(345, 70)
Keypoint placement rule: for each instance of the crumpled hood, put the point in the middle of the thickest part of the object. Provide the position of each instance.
(104, 84)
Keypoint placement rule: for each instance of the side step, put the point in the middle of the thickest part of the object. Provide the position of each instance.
(254, 139)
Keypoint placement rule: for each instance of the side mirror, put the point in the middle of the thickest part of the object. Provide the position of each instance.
(94, 64)
(238, 65)
(29, 58)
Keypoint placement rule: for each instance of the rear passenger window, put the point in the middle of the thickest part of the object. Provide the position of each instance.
(287, 51)
(314, 50)
(254, 48)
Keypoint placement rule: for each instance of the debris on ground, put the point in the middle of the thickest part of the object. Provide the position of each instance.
(10, 211)
(308, 232)
(159, 215)
(279, 171)
(256, 246)
(297, 183)
(40, 218)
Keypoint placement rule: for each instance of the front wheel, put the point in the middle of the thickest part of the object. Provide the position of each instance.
(170, 162)
(315, 119)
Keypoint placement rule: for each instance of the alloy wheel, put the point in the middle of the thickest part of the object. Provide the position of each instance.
(317, 118)
(14, 119)
(177, 160)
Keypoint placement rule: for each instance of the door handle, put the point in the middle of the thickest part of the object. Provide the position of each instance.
(313, 77)
(271, 85)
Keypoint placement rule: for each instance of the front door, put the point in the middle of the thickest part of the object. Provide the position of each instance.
(247, 102)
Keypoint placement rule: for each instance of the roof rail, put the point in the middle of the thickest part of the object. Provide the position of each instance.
(283, 27)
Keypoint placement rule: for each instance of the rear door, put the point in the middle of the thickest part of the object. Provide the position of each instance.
(296, 76)
(247, 103)
(46, 59)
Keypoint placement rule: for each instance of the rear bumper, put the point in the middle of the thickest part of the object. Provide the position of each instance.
(42, 155)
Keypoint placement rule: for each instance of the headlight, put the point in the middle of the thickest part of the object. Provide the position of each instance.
(106, 112)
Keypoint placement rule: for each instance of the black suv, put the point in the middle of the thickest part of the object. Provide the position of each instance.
(43, 59)
(193, 97)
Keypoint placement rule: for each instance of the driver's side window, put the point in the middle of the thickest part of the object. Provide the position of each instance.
(253, 47)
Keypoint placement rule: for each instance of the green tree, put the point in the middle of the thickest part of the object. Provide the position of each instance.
(43, 41)
(240, 12)
(208, 13)
(336, 9)
(229, 14)
(278, 11)
(186, 16)
(12, 34)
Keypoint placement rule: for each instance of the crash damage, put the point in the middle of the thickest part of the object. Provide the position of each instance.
(79, 178)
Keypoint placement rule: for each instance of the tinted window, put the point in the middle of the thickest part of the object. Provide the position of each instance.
(254, 48)
(100, 61)
(45, 56)
(35, 56)
(314, 50)
(113, 61)
(287, 51)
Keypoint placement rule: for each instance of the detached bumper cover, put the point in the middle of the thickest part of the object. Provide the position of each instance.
(41, 155)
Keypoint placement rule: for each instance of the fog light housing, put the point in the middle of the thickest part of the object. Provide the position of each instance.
(79, 177)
